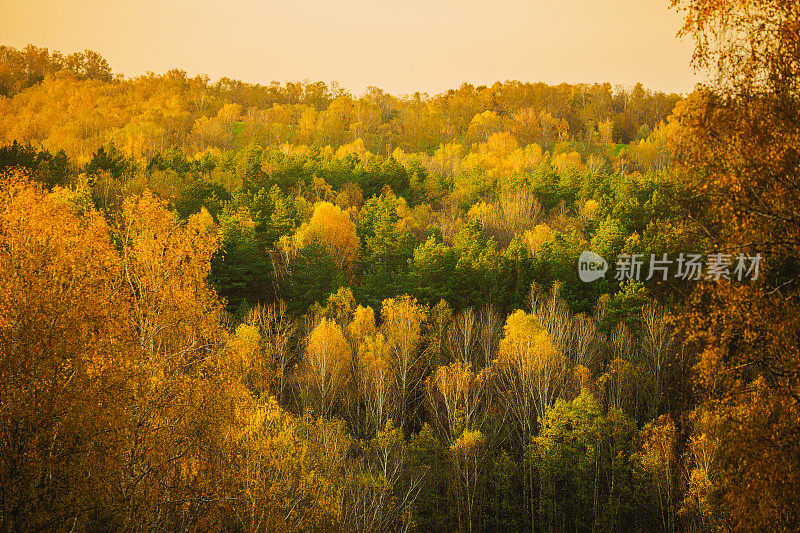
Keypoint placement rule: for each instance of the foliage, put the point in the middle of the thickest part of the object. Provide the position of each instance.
(243, 307)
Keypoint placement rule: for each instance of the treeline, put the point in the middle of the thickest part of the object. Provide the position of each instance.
(20, 69)
(73, 103)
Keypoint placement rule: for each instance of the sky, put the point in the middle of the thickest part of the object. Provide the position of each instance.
(401, 46)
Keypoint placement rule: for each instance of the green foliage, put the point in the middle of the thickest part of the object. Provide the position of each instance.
(385, 250)
(314, 276)
(609, 239)
(428, 460)
(111, 160)
(583, 458)
(625, 306)
(49, 169)
(212, 196)
(505, 504)
(241, 271)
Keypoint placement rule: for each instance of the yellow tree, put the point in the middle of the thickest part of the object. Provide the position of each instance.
(177, 416)
(738, 148)
(402, 328)
(376, 384)
(483, 125)
(326, 364)
(248, 355)
(530, 372)
(363, 323)
(658, 458)
(165, 265)
(336, 232)
(703, 461)
(519, 210)
(64, 352)
(132, 404)
(553, 315)
(456, 395)
(283, 483)
(531, 369)
(372, 374)
(276, 329)
(467, 454)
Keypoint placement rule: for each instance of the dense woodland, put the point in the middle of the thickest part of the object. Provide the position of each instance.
(229, 306)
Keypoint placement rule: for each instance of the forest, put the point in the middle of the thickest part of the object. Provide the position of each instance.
(228, 306)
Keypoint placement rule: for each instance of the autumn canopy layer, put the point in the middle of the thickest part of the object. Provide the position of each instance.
(227, 306)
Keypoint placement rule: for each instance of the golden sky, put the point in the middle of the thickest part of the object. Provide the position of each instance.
(401, 46)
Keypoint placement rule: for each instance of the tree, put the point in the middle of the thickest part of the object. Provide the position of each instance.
(467, 454)
(490, 333)
(63, 354)
(336, 232)
(429, 459)
(132, 405)
(619, 382)
(241, 271)
(244, 351)
(531, 367)
(111, 160)
(377, 385)
(457, 397)
(518, 210)
(658, 458)
(402, 328)
(326, 363)
(657, 341)
(51, 170)
(739, 149)
(372, 373)
(312, 278)
(276, 330)
(483, 125)
(178, 414)
(384, 250)
(462, 338)
(704, 460)
(529, 373)
(583, 458)
(165, 265)
(212, 196)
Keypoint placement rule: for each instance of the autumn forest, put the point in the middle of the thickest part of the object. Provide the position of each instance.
(229, 306)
